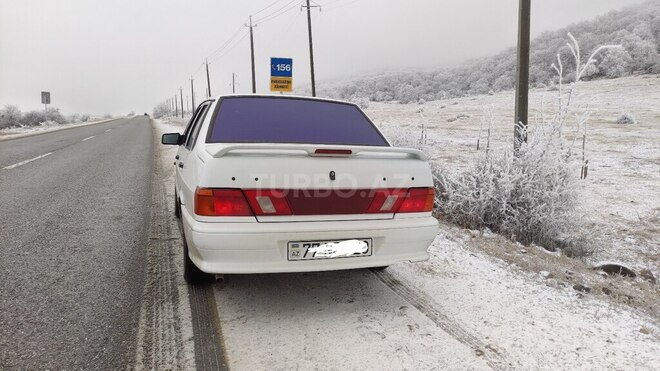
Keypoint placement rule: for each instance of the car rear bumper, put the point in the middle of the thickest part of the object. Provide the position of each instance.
(235, 248)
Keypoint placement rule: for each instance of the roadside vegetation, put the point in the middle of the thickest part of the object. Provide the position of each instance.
(12, 117)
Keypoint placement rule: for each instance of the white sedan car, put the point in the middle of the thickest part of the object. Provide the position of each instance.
(268, 184)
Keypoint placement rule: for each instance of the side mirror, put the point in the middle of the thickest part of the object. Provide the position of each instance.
(174, 139)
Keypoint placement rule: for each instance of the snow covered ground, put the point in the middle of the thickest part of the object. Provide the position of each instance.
(460, 310)
(481, 301)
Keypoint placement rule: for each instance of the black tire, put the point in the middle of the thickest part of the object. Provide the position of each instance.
(177, 206)
(192, 274)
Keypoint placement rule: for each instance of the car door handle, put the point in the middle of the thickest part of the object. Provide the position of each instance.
(177, 157)
(181, 165)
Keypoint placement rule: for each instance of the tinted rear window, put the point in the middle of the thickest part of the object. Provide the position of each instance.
(292, 120)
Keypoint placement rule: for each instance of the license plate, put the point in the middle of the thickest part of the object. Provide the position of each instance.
(330, 249)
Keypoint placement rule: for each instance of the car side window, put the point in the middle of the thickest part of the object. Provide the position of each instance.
(186, 132)
(197, 125)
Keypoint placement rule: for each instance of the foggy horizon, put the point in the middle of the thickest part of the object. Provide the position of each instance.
(122, 56)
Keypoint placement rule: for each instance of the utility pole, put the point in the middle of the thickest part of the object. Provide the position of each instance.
(176, 107)
(181, 94)
(233, 83)
(311, 47)
(254, 83)
(208, 80)
(522, 78)
(192, 93)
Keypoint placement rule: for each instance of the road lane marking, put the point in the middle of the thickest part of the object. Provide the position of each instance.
(88, 138)
(108, 130)
(26, 161)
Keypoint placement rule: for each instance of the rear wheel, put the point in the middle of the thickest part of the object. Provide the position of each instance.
(191, 273)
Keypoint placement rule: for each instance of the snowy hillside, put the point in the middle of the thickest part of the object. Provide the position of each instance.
(636, 28)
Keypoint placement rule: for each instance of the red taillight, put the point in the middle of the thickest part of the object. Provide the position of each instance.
(386, 200)
(265, 202)
(221, 202)
(418, 200)
(268, 202)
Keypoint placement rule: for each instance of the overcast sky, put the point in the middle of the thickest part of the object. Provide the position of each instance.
(117, 56)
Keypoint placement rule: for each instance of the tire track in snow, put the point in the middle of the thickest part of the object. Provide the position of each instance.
(495, 358)
(209, 352)
(165, 335)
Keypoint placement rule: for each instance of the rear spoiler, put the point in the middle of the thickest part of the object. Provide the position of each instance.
(219, 150)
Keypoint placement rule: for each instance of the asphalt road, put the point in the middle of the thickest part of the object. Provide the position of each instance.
(72, 236)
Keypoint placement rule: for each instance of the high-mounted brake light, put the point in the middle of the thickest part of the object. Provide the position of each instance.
(268, 202)
(333, 152)
(221, 202)
(418, 200)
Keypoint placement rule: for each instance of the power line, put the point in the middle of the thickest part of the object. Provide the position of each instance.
(233, 46)
(226, 43)
(234, 39)
(277, 13)
(268, 6)
(339, 6)
(290, 22)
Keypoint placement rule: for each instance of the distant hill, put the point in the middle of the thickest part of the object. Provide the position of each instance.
(636, 28)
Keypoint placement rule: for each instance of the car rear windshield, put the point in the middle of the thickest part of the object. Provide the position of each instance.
(292, 120)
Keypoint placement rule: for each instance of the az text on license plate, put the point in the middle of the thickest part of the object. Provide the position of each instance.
(311, 250)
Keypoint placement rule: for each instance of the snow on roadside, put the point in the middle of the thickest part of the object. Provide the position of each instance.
(540, 327)
(165, 334)
(341, 320)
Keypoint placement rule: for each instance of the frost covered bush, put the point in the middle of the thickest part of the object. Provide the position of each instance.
(76, 118)
(34, 118)
(361, 101)
(530, 194)
(10, 116)
(626, 119)
(162, 110)
(616, 63)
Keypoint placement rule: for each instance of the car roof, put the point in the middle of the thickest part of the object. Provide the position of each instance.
(283, 96)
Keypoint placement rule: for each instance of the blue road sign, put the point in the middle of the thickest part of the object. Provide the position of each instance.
(281, 67)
